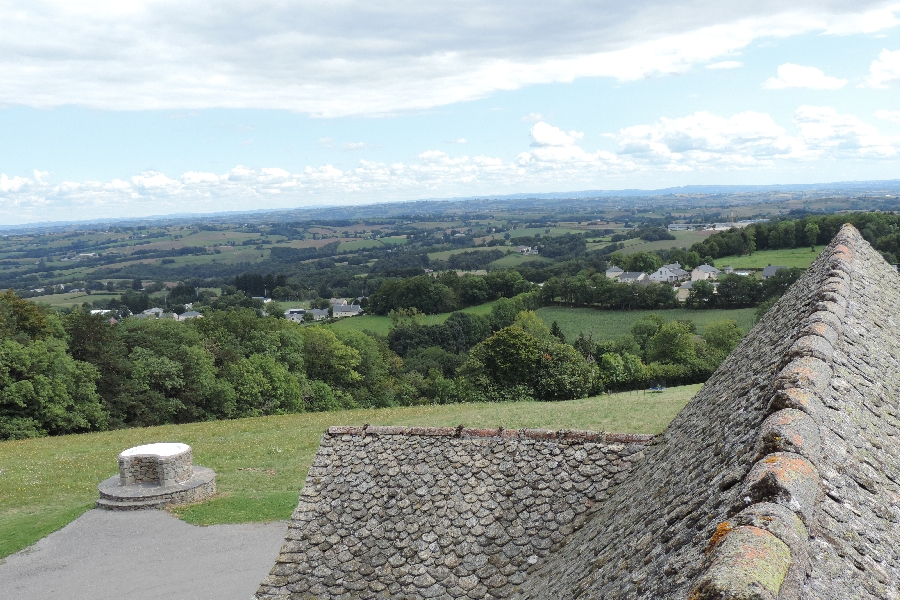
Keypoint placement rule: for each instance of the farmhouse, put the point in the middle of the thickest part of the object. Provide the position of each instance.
(778, 481)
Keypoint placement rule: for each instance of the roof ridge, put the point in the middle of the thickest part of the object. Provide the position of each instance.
(765, 542)
(501, 432)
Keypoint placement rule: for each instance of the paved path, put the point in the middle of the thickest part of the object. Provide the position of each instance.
(143, 555)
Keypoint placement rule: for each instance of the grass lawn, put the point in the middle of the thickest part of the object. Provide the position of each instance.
(610, 324)
(382, 325)
(792, 257)
(261, 463)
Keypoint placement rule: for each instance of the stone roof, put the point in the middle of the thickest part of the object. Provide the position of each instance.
(780, 480)
(402, 512)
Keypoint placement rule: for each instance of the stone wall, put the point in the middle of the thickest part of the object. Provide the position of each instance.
(398, 512)
(152, 468)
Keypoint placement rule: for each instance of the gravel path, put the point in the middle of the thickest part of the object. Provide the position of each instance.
(143, 555)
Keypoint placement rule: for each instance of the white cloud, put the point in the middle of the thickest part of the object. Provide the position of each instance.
(725, 64)
(700, 142)
(830, 134)
(885, 69)
(799, 76)
(543, 134)
(532, 118)
(356, 57)
(350, 146)
(457, 141)
(889, 115)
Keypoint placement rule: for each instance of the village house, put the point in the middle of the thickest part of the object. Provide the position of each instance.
(614, 272)
(771, 270)
(350, 310)
(632, 277)
(672, 273)
(704, 272)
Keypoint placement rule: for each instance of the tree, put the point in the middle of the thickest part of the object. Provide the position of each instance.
(723, 336)
(326, 358)
(137, 285)
(812, 235)
(557, 332)
(672, 344)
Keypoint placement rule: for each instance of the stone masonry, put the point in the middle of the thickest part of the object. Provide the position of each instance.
(397, 512)
(150, 467)
(154, 476)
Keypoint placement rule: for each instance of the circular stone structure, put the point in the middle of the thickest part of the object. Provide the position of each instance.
(154, 476)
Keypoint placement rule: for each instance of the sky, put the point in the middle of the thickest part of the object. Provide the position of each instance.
(118, 108)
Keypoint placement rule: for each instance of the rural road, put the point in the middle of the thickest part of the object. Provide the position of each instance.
(143, 555)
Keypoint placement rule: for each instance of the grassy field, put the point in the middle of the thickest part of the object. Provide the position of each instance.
(382, 325)
(445, 254)
(610, 324)
(516, 259)
(794, 257)
(261, 463)
(683, 239)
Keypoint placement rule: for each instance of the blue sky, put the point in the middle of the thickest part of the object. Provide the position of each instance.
(154, 107)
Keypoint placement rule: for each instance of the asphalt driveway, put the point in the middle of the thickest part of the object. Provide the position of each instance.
(143, 555)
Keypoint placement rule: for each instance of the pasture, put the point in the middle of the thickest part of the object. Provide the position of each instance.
(788, 257)
(261, 463)
(610, 324)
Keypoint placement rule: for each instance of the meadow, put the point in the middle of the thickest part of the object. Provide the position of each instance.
(788, 257)
(261, 463)
(610, 324)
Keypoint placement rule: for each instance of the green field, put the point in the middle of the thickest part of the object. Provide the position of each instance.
(610, 324)
(362, 244)
(67, 300)
(261, 463)
(382, 325)
(683, 239)
(793, 257)
(515, 259)
(445, 254)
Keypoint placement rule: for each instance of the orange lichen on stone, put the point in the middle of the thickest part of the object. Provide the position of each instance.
(749, 563)
(721, 531)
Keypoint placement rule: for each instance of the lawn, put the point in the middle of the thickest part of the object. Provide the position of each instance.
(610, 324)
(261, 463)
(382, 325)
(791, 257)
(445, 254)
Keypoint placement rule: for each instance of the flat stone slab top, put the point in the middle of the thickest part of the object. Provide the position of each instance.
(158, 449)
(156, 475)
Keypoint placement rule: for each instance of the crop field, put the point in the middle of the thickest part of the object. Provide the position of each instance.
(382, 324)
(261, 463)
(609, 324)
(791, 257)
